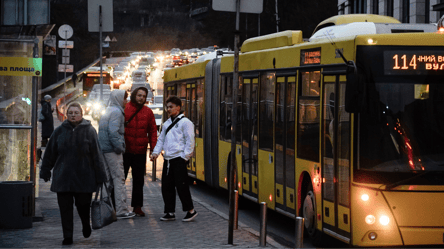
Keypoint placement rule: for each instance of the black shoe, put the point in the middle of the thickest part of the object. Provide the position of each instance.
(86, 231)
(168, 217)
(190, 216)
(67, 241)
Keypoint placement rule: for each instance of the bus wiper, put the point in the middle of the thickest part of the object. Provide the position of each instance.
(395, 184)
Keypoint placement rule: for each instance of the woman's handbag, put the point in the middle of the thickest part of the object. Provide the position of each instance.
(102, 210)
(41, 116)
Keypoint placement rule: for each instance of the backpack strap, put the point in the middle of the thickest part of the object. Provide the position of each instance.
(172, 124)
(129, 120)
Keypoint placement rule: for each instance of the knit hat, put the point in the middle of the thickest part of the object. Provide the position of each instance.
(47, 97)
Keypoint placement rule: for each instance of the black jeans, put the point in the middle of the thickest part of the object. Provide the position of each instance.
(138, 164)
(66, 202)
(176, 178)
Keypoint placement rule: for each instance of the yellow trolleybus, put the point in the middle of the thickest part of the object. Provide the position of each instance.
(345, 129)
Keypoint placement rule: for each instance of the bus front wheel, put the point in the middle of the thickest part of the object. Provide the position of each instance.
(310, 221)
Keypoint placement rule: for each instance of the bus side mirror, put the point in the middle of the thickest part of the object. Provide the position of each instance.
(355, 93)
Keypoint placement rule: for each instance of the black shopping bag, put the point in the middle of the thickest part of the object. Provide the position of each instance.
(102, 210)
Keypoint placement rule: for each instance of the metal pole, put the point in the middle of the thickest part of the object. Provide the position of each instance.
(277, 16)
(236, 209)
(32, 170)
(299, 233)
(233, 126)
(100, 40)
(154, 170)
(64, 77)
(263, 232)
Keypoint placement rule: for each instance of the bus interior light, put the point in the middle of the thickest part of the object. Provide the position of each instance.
(370, 219)
(384, 220)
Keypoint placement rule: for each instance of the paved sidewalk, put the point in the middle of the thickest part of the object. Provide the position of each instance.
(208, 230)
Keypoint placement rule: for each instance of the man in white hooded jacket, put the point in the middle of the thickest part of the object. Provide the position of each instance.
(177, 142)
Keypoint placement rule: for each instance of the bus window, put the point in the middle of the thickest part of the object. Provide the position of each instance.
(266, 111)
(182, 94)
(200, 108)
(308, 120)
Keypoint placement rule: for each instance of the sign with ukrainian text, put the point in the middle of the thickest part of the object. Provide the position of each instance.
(20, 66)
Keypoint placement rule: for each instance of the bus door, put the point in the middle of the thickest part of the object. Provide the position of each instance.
(284, 145)
(191, 113)
(249, 136)
(335, 158)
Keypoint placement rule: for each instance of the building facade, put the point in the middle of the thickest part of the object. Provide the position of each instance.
(406, 11)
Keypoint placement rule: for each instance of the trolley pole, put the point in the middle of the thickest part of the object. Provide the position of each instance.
(231, 186)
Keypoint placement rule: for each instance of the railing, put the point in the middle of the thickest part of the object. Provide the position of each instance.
(65, 100)
(74, 90)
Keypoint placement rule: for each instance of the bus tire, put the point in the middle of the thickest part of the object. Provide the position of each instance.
(310, 220)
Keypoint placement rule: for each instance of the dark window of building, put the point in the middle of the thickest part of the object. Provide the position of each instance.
(405, 11)
(441, 13)
(389, 7)
(427, 11)
(360, 6)
(375, 6)
(341, 9)
(351, 7)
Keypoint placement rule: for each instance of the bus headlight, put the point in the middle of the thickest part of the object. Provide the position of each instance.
(384, 220)
(365, 197)
(370, 219)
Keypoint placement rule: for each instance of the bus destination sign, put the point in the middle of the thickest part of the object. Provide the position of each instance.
(311, 56)
(399, 62)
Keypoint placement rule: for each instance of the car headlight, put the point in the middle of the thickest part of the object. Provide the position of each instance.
(97, 106)
(88, 104)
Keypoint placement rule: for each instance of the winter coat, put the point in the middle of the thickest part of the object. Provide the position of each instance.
(179, 142)
(141, 130)
(48, 123)
(75, 157)
(111, 124)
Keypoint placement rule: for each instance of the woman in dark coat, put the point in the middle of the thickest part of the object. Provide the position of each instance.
(48, 123)
(74, 155)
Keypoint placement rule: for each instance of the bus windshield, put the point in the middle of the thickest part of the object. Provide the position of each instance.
(403, 131)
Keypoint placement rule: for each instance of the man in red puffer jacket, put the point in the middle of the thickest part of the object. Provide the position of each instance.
(140, 129)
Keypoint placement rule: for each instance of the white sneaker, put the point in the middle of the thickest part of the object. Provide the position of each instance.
(126, 215)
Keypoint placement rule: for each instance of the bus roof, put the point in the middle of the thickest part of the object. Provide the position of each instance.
(280, 39)
(344, 19)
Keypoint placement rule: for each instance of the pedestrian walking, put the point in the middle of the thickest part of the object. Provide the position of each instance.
(74, 155)
(177, 142)
(112, 143)
(140, 129)
(48, 122)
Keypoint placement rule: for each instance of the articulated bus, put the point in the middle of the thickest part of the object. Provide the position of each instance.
(91, 77)
(345, 129)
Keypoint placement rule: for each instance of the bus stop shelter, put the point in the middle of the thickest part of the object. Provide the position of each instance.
(20, 79)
